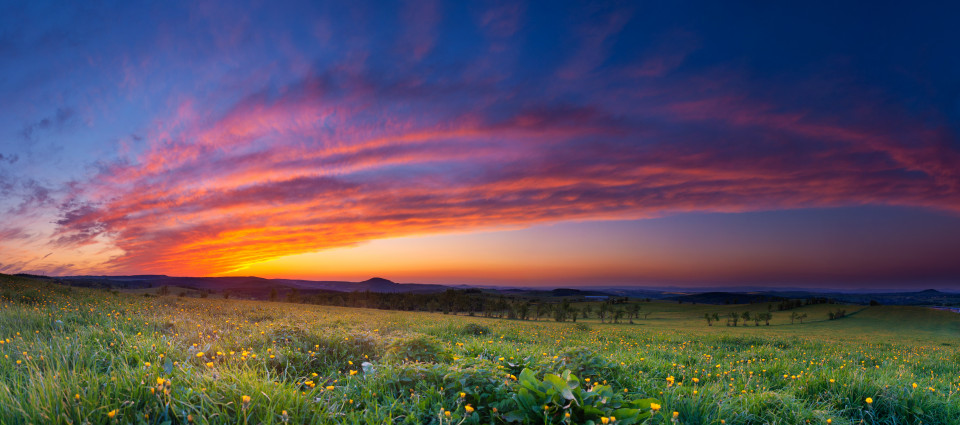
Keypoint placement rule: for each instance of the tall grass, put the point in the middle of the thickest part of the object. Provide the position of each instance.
(72, 355)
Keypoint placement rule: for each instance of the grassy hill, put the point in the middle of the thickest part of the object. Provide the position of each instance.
(78, 355)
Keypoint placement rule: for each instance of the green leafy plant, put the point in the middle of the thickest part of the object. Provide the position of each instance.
(564, 399)
(584, 363)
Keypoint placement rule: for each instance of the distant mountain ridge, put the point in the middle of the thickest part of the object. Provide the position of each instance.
(251, 285)
(258, 287)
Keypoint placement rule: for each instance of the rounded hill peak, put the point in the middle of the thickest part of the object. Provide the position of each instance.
(377, 280)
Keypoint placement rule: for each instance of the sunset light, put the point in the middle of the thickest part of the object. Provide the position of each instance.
(439, 212)
(243, 140)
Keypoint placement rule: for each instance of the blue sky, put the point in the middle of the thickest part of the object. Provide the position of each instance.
(221, 138)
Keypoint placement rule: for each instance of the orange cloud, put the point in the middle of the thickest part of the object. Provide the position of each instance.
(317, 167)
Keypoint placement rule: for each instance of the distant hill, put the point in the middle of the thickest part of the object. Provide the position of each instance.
(249, 286)
(925, 297)
(258, 287)
(728, 298)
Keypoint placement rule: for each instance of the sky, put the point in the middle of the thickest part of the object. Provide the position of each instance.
(686, 144)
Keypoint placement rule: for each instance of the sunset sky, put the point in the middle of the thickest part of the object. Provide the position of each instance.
(491, 143)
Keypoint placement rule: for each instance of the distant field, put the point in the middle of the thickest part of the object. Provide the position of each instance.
(72, 355)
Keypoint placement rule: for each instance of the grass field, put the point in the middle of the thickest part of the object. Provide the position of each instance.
(71, 355)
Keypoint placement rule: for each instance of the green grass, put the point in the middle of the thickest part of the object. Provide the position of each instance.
(110, 350)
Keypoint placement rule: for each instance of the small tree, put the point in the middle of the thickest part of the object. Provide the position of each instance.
(560, 312)
(734, 318)
(617, 315)
(293, 296)
(273, 294)
(709, 319)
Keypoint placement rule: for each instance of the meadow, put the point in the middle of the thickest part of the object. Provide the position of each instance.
(73, 356)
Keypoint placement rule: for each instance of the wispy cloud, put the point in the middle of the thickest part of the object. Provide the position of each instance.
(321, 167)
(261, 135)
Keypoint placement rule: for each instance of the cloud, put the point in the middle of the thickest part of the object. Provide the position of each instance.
(420, 35)
(55, 122)
(33, 196)
(321, 167)
(13, 233)
(427, 118)
(595, 39)
(9, 158)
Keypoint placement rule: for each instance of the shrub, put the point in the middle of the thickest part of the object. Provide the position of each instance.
(417, 349)
(475, 329)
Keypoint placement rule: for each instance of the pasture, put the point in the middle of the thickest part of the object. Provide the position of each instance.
(74, 356)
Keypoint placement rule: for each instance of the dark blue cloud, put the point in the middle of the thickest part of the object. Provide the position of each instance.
(440, 115)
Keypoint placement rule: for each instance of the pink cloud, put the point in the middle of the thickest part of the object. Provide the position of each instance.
(322, 165)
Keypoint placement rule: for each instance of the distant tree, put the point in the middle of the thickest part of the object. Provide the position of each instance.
(837, 314)
(734, 318)
(874, 303)
(766, 317)
(709, 319)
(273, 294)
(561, 311)
(635, 310)
(204, 294)
(617, 315)
(293, 296)
(226, 295)
(793, 316)
(801, 317)
(524, 310)
(602, 311)
(586, 311)
(164, 290)
(541, 310)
